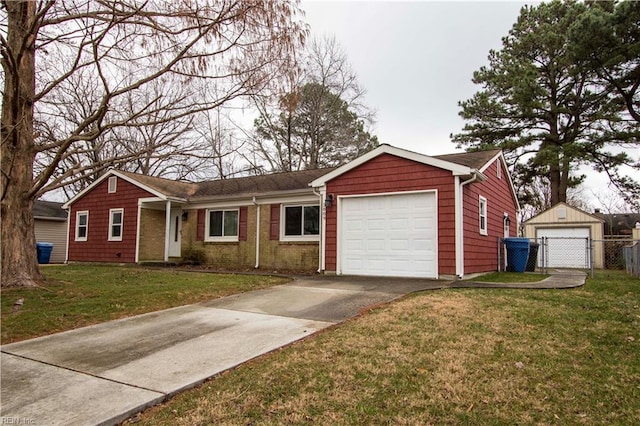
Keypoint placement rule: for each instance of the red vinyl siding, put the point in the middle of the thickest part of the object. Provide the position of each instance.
(386, 174)
(97, 202)
(481, 251)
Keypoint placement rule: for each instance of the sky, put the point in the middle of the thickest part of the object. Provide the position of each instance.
(416, 60)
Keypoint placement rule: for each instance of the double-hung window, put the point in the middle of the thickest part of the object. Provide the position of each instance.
(82, 225)
(116, 220)
(301, 223)
(222, 225)
(483, 216)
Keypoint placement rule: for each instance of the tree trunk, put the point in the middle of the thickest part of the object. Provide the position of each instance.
(19, 259)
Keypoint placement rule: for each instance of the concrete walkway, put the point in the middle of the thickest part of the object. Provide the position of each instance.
(103, 374)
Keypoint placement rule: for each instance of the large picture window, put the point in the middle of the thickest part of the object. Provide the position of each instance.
(116, 218)
(222, 225)
(82, 225)
(301, 222)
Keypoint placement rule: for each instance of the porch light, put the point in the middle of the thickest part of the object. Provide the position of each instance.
(185, 216)
(507, 221)
(328, 201)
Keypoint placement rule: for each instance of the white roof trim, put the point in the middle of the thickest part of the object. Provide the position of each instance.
(456, 169)
(505, 172)
(121, 176)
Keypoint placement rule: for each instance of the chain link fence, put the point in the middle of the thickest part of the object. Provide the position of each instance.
(582, 254)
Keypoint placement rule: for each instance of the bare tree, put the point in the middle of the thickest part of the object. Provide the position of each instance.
(321, 121)
(116, 49)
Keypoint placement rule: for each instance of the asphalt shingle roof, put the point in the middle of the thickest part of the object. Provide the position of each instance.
(49, 209)
(256, 185)
(475, 160)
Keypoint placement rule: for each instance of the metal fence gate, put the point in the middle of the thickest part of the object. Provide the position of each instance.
(579, 253)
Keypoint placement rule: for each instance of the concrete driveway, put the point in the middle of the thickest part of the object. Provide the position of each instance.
(103, 374)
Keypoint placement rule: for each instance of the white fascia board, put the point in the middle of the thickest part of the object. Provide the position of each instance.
(87, 189)
(505, 172)
(456, 169)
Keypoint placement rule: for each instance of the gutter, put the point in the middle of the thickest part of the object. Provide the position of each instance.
(255, 203)
(323, 222)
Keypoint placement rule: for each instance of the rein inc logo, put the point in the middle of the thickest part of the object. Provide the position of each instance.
(16, 421)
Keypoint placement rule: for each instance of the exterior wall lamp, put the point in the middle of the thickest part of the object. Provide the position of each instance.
(328, 201)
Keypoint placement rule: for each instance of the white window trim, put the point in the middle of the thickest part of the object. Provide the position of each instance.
(113, 184)
(483, 201)
(222, 239)
(283, 219)
(111, 212)
(78, 214)
(499, 169)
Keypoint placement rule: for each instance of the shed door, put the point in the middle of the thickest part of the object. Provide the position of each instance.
(566, 247)
(389, 235)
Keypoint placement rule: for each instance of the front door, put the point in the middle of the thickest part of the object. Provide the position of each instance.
(175, 233)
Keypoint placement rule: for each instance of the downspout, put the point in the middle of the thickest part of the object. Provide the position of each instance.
(66, 255)
(138, 221)
(167, 230)
(255, 203)
(323, 221)
(459, 194)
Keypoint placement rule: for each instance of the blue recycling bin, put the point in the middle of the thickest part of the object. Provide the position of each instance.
(44, 252)
(517, 253)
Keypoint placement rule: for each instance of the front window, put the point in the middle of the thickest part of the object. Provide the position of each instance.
(82, 226)
(116, 217)
(302, 222)
(222, 225)
(483, 216)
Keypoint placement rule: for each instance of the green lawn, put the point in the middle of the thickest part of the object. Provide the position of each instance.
(80, 295)
(456, 356)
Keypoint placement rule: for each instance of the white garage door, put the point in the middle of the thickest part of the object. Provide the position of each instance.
(566, 247)
(389, 235)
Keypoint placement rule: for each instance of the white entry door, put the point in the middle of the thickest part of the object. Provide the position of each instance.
(175, 233)
(389, 235)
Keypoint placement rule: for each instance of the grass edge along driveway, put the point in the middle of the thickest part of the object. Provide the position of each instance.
(455, 356)
(80, 295)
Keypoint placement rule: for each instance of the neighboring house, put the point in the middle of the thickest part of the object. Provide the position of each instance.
(389, 212)
(568, 231)
(51, 227)
(619, 224)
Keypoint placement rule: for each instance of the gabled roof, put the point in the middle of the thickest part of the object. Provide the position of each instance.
(476, 160)
(235, 187)
(50, 210)
(463, 164)
(167, 187)
(258, 185)
(535, 219)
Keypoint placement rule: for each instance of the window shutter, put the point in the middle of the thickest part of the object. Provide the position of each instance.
(202, 213)
(274, 233)
(242, 226)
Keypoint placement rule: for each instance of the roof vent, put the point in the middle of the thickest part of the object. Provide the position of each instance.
(562, 213)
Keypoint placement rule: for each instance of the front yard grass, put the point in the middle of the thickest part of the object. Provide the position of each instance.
(79, 295)
(455, 356)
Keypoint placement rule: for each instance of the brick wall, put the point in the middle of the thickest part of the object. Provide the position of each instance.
(152, 226)
(241, 255)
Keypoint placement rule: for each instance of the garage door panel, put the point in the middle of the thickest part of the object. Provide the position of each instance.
(398, 239)
(566, 247)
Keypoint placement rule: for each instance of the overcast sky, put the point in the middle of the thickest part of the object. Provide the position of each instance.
(416, 60)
